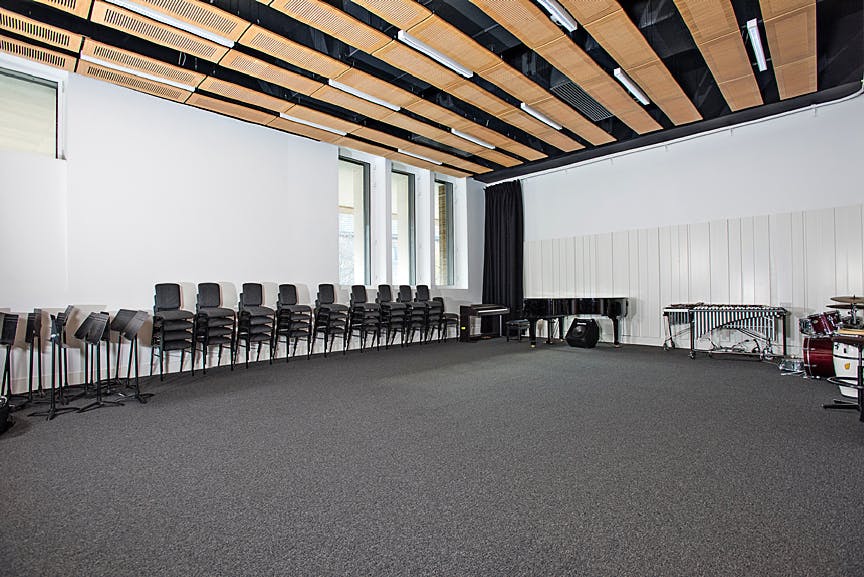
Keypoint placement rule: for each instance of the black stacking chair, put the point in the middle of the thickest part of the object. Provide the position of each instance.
(172, 327)
(415, 315)
(365, 317)
(331, 318)
(446, 321)
(393, 315)
(254, 322)
(293, 321)
(215, 325)
(434, 310)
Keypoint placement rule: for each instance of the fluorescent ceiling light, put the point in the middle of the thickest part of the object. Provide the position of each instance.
(312, 124)
(541, 117)
(631, 86)
(434, 54)
(473, 139)
(165, 19)
(418, 156)
(559, 15)
(756, 43)
(137, 73)
(363, 95)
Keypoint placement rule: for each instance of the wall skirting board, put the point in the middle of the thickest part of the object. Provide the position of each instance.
(797, 260)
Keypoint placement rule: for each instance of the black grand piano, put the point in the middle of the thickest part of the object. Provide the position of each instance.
(556, 309)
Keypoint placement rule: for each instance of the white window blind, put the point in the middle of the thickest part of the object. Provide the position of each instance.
(28, 114)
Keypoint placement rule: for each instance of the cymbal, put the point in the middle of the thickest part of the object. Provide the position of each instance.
(853, 300)
(840, 307)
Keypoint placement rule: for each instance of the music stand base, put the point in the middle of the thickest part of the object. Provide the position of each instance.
(99, 405)
(53, 412)
(841, 404)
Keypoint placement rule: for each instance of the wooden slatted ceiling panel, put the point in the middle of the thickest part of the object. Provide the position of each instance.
(411, 161)
(162, 34)
(243, 94)
(587, 12)
(36, 54)
(460, 163)
(131, 81)
(135, 61)
(792, 43)
(230, 109)
(351, 102)
(415, 126)
(349, 142)
(403, 13)
(522, 18)
(452, 42)
(290, 51)
(200, 14)
(476, 96)
(540, 130)
(514, 82)
(269, 73)
(715, 30)
(434, 154)
(617, 34)
(36, 30)
(581, 69)
(303, 130)
(418, 65)
(80, 8)
(566, 116)
(376, 87)
(551, 43)
(334, 22)
(322, 118)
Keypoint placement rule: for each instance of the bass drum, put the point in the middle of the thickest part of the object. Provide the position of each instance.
(846, 368)
(818, 357)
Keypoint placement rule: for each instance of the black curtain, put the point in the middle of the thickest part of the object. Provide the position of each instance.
(502, 256)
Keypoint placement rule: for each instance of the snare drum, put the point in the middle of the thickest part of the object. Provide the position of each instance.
(818, 357)
(822, 324)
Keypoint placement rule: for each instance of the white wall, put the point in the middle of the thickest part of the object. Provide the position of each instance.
(152, 191)
(768, 213)
(805, 160)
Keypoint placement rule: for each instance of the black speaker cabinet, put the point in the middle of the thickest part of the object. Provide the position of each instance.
(583, 333)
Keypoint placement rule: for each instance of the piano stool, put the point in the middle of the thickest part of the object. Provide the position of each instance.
(520, 325)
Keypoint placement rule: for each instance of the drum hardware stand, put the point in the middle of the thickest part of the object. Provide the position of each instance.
(130, 330)
(97, 326)
(58, 354)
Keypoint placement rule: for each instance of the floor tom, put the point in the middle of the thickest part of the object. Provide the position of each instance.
(818, 357)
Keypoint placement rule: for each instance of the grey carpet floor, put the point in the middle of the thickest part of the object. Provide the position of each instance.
(446, 459)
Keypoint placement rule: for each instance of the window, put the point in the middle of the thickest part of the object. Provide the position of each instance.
(28, 113)
(402, 228)
(354, 254)
(443, 227)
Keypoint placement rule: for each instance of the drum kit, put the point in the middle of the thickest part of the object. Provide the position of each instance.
(824, 358)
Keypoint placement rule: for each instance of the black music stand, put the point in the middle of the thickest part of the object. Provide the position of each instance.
(8, 328)
(130, 331)
(118, 324)
(58, 353)
(97, 325)
(33, 338)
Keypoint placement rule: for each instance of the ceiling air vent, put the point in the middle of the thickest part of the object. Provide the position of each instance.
(573, 95)
(38, 31)
(37, 54)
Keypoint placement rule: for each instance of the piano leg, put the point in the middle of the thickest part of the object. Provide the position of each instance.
(616, 336)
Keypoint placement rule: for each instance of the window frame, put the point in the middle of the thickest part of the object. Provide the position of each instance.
(38, 74)
(367, 224)
(451, 244)
(412, 223)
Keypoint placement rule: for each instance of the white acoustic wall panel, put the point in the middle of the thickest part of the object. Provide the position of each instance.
(797, 260)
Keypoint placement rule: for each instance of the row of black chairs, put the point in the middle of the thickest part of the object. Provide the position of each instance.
(254, 324)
